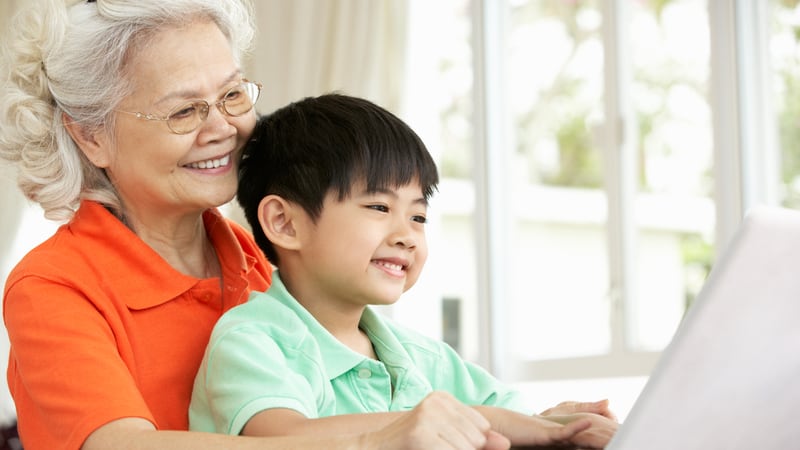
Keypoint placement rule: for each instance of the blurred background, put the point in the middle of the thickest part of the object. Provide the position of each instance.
(596, 158)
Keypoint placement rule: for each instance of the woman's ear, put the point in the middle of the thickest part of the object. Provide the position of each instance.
(280, 220)
(95, 145)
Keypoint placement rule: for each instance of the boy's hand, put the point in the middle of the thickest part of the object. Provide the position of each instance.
(439, 422)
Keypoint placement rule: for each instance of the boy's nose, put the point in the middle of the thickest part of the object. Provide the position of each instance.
(403, 236)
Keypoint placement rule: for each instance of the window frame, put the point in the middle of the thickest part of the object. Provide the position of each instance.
(745, 174)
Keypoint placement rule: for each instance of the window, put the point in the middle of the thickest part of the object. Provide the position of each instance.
(596, 156)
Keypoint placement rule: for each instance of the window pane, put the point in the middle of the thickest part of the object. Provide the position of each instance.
(555, 91)
(439, 107)
(669, 50)
(555, 95)
(454, 83)
(784, 47)
(559, 263)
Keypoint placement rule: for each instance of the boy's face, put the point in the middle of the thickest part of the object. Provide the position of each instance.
(367, 249)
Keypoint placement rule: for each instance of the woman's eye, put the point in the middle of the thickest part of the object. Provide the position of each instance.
(184, 112)
(420, 219)
(234, 94)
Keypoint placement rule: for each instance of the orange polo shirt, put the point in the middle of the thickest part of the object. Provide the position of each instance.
(102, 328)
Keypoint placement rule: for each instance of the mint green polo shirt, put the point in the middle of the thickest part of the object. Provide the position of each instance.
(270, 352)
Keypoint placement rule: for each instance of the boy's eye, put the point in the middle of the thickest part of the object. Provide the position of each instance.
(381, 208)
(420, 219)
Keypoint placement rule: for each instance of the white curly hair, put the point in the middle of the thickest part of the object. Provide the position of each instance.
(69, 57)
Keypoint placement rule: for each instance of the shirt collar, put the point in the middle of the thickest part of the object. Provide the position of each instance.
(337, 357)
(137, 273)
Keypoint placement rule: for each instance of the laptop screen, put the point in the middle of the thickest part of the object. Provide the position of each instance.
(730, 378)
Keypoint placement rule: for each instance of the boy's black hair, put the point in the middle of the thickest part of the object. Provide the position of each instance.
(309, 148)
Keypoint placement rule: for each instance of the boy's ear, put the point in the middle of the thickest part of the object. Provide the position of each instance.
(94, 144)
(279, 220)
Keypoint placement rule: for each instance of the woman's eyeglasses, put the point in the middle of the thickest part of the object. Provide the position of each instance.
(188, 117)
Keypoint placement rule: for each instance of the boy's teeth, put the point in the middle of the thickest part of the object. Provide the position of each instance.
(392, 266)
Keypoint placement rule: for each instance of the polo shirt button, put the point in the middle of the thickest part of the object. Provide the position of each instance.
(364, 373)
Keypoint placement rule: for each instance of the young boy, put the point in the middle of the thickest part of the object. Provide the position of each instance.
(336, 190)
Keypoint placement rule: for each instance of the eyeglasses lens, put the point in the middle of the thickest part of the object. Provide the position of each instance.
(236, 102)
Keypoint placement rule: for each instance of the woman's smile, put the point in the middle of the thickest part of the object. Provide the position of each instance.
(211, 163)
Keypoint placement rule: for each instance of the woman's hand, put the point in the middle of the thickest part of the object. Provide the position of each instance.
(597, 436)
(569, 407)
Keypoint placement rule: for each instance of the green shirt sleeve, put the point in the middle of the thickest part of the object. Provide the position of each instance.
(254, 365)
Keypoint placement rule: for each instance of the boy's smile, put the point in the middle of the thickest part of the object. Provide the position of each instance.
(392, 268)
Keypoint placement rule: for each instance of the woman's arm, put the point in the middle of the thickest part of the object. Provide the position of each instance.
(439, 422)
(139, 434)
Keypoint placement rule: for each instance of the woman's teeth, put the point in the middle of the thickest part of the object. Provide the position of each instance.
(211, 163)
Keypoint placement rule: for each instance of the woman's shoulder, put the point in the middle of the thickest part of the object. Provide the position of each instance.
(60, 269)
(92, 241)
(54, 256)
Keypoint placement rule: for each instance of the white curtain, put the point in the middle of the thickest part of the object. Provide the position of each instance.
(303, 48)
(310, 47)
(11, 200)
(12, 205)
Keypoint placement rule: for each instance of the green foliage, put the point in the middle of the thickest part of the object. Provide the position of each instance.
(659, 5)
(789, 130)
(698, 256)
(788, 111)
(579, 162)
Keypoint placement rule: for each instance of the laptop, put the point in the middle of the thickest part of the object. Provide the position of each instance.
(730, 377)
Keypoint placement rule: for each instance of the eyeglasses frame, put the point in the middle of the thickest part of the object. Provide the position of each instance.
(220, 104)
